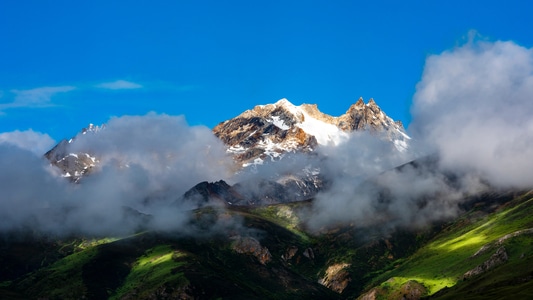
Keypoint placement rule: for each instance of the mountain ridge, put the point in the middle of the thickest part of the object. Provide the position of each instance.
(408, 232)
(268, 131)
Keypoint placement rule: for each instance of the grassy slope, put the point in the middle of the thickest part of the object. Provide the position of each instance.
(363, 252)
(442, 262)
(162, 265)
(149, 265)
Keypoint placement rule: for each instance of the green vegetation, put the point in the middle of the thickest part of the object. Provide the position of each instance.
(443, 261)
(285, 215)
(89, 243)
(158, 266)
(50, 281)
(428, 262)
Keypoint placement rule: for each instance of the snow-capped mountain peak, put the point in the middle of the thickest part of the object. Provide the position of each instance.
(269, 131)
(73, 165)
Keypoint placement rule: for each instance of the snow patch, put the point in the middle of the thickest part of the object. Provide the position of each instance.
(325, 134)
(279, 123)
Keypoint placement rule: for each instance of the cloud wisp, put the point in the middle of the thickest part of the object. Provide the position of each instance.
(41, 97)
(119, 85)
(37, 97)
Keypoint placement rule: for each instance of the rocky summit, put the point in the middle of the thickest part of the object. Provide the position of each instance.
(266, 132)
(73, 165)
(263, 134)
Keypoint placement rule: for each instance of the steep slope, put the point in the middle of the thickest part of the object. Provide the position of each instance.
(241, 262)
(266, 252)
(485, 254)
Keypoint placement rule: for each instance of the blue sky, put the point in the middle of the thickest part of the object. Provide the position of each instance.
(64, 64)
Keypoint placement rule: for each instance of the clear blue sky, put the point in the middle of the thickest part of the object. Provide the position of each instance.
(64, 64)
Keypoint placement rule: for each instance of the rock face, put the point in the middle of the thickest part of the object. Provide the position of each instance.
(73, 165)
(249, 245)
(336, 277)
(498, 258)
(266, 132)
(205, 192)
(253, 192)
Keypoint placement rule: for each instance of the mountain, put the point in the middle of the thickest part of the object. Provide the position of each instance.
(409, 232)
(73, 165)
(267, 132)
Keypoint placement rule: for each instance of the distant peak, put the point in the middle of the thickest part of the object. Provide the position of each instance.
(92, 128)
(372, 102)
(360, 102)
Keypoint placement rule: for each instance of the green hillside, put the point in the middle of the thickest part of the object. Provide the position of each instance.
(267, 253)
(441, 263)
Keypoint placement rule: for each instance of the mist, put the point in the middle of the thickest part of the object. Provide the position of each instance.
(471, 125)
(146, 164)
(473, 106)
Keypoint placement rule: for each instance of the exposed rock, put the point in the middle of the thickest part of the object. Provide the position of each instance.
(370, 295)
(288, 188)
(413, 290)
(498, 258)
(205, 192)
(249, 245)
(309, 253)
(73, 165)
(336, 277)
(500, 241)
(289, 253)
(269, 131)
(410, 290)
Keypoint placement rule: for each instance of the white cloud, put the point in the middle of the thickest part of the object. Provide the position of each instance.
(119, 85)
(37, 97)
(35, 142)
(146, 163)
(474, 106)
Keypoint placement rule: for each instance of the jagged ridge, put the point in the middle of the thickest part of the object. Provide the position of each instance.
(269, 131)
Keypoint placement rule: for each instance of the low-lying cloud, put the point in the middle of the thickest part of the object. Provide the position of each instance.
(472, 117)
(474, 106)
(33, 141)
(146, 164)
(471, 114)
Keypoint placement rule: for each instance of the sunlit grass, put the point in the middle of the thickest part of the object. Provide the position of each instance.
(432, 284)
(443, 261)
(95, 242)
(159, 255)
(157, 266)
(469, 240)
